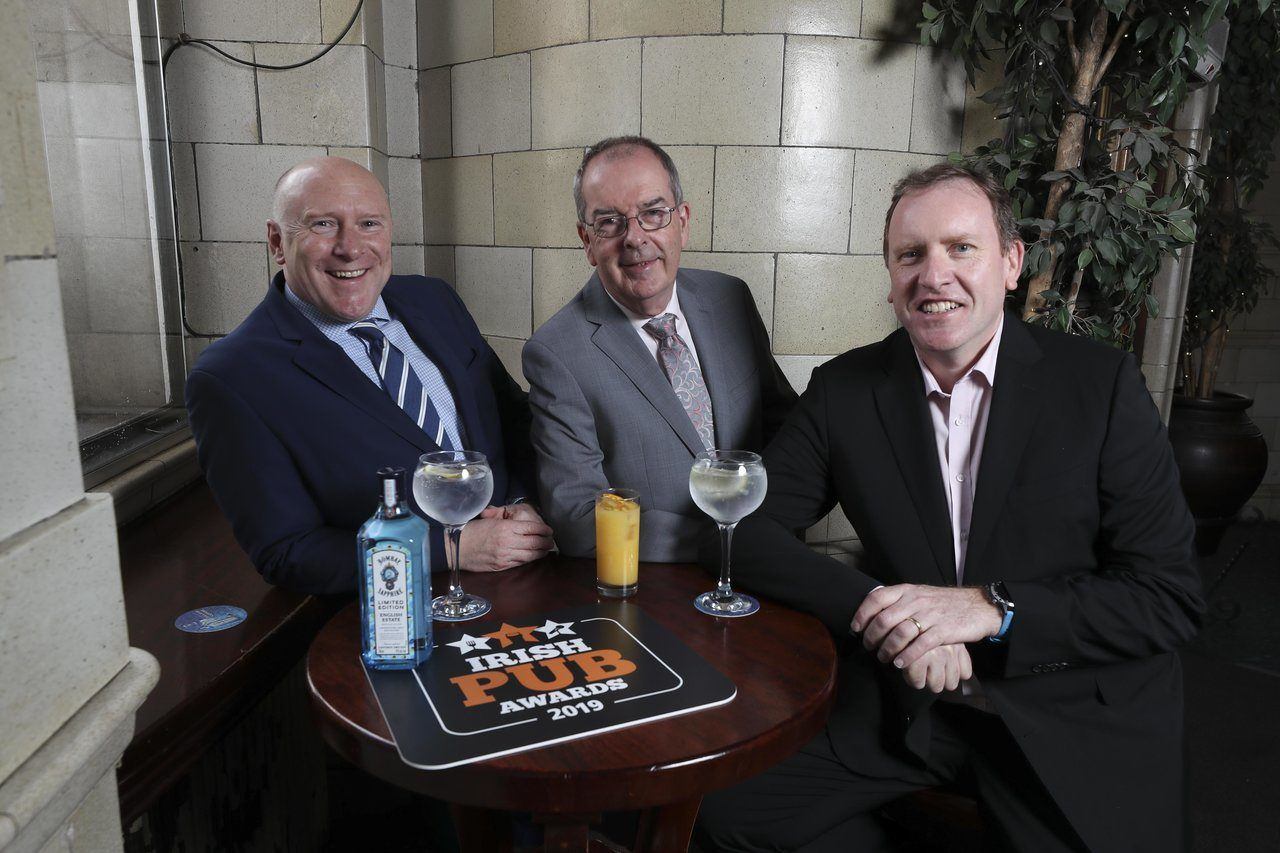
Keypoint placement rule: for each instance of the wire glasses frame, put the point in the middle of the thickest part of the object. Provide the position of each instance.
(649, 219)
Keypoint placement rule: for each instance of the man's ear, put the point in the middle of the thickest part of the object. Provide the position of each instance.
(275, 242)
(1014, 257)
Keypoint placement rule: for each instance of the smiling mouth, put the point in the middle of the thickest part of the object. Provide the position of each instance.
(347, 273)
(939, 307)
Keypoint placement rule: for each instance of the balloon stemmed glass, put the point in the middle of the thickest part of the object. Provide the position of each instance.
(727, 485)
(453, 486)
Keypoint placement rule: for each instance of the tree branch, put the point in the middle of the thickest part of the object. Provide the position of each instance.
(1126, 20)
(1071, 38)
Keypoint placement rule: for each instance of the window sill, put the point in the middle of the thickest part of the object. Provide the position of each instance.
(152, 481)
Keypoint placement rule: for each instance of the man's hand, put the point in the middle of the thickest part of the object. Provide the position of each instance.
(504, 537)
(905, 622)
(940, 669)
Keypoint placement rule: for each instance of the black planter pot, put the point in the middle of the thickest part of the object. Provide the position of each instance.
(1222, 458)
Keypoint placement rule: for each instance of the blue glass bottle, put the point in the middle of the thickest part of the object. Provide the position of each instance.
(395, 580)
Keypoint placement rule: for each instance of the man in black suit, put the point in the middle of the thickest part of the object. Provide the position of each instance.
(1027, 573)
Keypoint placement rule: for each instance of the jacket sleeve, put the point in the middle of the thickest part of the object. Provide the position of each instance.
(258, 486)
(1143, 597)
(769, 552)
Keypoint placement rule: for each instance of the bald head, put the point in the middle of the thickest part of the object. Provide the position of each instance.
(296, 180)
(330, 231)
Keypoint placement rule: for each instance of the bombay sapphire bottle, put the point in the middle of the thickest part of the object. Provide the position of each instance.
(395, 580)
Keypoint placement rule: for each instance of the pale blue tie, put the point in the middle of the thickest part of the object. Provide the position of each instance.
(401, 382)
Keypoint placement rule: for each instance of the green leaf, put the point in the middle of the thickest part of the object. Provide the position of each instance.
(1108, 248)
(1177, 40)
(929, 12)
(1083, 259)
(1049, 31)
(1142, 152)
(1153, 305)
(1145, 29)
(1263, 5)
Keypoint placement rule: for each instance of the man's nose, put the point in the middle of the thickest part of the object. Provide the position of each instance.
(934, 270)
(634, 235)
(347, 244)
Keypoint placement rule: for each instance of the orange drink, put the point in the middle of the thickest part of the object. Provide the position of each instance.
(617, 542)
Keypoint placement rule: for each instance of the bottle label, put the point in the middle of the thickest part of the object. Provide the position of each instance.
(391, 599)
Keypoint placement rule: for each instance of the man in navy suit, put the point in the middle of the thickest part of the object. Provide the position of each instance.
(289, 411)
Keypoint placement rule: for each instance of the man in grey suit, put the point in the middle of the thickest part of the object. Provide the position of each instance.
(647, 365)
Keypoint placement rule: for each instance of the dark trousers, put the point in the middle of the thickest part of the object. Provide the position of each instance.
(814, 802)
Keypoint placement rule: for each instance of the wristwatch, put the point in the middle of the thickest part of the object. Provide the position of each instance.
(998, 595)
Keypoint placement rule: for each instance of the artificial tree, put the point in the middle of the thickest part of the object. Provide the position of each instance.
(1101, 187)
(1227, 274)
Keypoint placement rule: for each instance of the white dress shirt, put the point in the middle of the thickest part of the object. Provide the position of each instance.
(649, 341)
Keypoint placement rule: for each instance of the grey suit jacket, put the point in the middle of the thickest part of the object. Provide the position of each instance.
(604, 413)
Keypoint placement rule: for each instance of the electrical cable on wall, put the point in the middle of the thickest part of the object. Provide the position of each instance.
(185, 39)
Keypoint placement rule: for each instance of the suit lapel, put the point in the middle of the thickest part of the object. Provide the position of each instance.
(901, 404)
(1015, 404)
(327, 363)
(702, 326)
(616, 338)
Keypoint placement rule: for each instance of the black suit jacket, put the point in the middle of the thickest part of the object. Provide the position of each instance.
(1077, 509)
(290, 432)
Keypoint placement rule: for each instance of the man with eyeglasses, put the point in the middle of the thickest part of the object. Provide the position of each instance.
(647, 365)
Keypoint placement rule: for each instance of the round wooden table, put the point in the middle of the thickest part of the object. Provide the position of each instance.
(782, 661)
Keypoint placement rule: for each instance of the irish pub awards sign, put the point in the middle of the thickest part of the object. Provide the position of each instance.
(496, 687)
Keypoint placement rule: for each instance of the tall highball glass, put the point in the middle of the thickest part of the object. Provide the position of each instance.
(727, 485)
(453, 487)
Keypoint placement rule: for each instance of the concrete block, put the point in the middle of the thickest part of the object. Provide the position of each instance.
(611, 19)
(402, 112)
(782, 199)
(224, 282)
(938, 102)
(799, 368)
(520, 25)
(325, 103)
(404, 183)
(846, 92)
(496, 283)
(457, 200)
(435, 107)
(452, 31)
(873, 178)
(491, 105)
(583, 93)
(558, 274)
(755, 269)
(799, 17)
(211, 98)
(826, 304)
(296, 21)
(890, 20)
(508, 350)
(367, 29)
(121, 290)
(722, 90)
(409, 260)
(534, 198)
(438, 261)
(697, 167)
(400, 33)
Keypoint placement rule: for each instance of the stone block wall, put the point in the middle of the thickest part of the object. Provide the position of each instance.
(789, 122)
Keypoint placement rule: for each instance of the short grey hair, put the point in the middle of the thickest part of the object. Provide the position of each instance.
(981, 179)
(620, 146)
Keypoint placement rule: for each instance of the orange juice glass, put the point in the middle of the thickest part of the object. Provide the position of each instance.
(617, 542)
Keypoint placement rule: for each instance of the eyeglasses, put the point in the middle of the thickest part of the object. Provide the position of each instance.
(651, 219)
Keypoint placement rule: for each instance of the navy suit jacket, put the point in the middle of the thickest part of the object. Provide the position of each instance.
(1077, 510)
(290, 432)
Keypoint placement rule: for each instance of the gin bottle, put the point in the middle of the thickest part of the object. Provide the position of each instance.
(395, 580)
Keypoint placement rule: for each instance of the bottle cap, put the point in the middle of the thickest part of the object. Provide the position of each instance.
(398, 476)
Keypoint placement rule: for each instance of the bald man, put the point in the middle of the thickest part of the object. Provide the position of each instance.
(291, 412)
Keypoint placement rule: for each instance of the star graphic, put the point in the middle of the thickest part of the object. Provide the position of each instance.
(507, 634)
(469, 643)
(555, 629)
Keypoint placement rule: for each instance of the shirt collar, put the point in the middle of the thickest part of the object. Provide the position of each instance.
(638, 320)
(985, 366)
(324, 322)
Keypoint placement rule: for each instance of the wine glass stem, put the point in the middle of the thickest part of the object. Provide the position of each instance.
(454, 532)
(723, 590)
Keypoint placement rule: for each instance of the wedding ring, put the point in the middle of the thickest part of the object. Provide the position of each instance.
(916, 622)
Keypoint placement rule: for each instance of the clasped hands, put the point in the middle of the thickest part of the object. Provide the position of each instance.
(503, 537)
(922, 630)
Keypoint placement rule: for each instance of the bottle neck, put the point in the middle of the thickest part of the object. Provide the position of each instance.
(393, 504)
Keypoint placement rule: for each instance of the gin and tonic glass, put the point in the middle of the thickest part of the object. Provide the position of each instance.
(727, 485)
(453, 486)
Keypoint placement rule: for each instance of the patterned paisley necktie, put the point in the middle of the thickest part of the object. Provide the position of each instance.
(686, 379)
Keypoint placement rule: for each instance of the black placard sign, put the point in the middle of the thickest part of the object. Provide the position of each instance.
(497, 687)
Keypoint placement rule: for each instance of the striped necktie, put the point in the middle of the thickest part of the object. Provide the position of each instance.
(399, 380)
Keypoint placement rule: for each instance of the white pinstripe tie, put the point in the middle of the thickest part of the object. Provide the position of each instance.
(399, 380)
